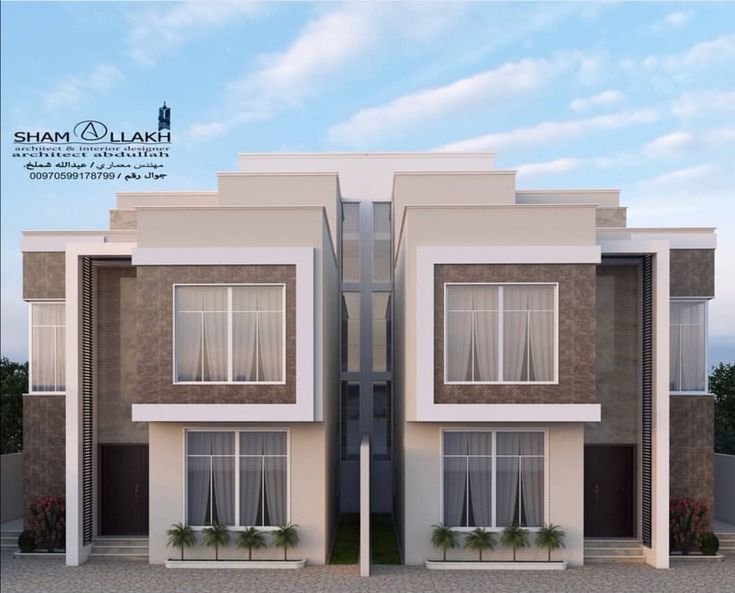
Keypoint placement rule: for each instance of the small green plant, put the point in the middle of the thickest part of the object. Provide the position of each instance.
(252, 539)
(480, 539)
(216, 535)
(181, 536)
(550, 537)
(444, 537)
(709, 544)
(286, 536)
(514, 537)
(26, 542)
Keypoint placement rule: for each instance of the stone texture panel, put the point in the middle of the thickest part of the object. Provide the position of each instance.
(692, 272)
(44, 275)
(44, 450)
(610, 217)
(692, 448)
(576, 334)
(617, 356)
(155, 335)
(116, 350)
(123, 220)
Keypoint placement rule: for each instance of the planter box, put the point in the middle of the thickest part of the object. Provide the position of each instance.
(256, 564)
(696, 557)
(60, 554)
(496, 565)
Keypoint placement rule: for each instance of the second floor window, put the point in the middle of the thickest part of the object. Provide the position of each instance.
(48, 347)
(687, 350)
(230, 334)
(500, 333)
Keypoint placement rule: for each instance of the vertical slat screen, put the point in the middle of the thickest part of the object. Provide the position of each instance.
(87, 401)
(646, 398)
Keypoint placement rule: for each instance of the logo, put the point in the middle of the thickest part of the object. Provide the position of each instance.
(90, 130)
(164, 117)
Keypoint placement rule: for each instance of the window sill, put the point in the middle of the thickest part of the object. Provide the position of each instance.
(238, 528)
(501, 382)
(491, 529)
(34, 393)
(675, 393)
(229, 383)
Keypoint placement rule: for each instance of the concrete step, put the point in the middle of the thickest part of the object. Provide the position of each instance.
(615, 559)
(124, 548)
(618, 552)
(612, 543)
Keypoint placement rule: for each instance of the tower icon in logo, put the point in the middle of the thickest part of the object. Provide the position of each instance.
(164, 117)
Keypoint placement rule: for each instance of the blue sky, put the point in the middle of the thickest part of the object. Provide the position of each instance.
(635, 96)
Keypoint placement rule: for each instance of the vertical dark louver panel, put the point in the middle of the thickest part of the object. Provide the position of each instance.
(87, 400)
(646, 397)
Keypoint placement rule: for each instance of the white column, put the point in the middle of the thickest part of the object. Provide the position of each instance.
(365, 552)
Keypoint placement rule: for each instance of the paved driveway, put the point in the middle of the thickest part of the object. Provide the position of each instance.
(39, 575)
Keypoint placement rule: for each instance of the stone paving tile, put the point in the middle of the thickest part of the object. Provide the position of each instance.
(40, 575)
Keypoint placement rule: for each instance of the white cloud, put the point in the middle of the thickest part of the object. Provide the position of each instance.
(72, 90)
(564, 165)
(603, 99)
(669, 145)
(552, 132)
(700, 55)
(692, 104)
(678, 179)
(163, 29)
(673, 20)
(487, 88)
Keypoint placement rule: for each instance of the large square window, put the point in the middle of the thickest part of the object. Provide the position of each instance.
(230, 334)
(500, 333)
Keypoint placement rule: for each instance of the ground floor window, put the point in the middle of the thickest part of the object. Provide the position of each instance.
(493, 478)
(236, 478)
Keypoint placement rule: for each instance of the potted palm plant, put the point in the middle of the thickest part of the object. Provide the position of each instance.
(480, 539)
(515, 537)
(551, 537)
(216, 535)
(286, 536)
(180, 536)
(252, 539)
(444, 537)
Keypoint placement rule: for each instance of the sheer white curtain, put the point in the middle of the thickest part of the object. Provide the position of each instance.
(541, 332)
(201, 333)
(687, 346)
(223, 476)
(244, 323)
(214, 307)
(197, 490)
(532, 485)
(481, 477)
(485, 305)
(48, 347)
(509, 443)
(274, 443)
(270, 332)
(458, 342)
(455, 478)
(515, 333)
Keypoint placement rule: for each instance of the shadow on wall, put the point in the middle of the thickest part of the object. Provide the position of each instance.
(724, 488)
(11, 487)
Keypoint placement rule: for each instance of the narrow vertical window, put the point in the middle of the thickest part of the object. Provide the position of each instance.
(263, 475)
(351, 242)
(688, 346)
(210, 478)
(382, 254)
(382, 420)
(351, 331)
(381, 331)
(350, 420)
(48, 347)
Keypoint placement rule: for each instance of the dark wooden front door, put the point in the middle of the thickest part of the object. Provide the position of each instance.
(609, 490)
(123, 490)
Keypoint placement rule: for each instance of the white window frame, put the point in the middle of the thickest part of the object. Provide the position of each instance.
(699, 300)
(494, 528)
(237, 431)
(31, 304)
(229, 286)
(500, 285)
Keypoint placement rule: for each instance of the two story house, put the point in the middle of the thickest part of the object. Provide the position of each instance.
(515, 356)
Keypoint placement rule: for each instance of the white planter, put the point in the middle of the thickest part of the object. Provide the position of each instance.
(257, 564)
(696, 557)
(20, 554)
(496, 565)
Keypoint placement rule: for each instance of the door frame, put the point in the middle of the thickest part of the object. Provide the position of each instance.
(634, 486)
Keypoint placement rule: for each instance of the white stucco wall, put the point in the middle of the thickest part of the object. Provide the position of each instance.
(423, 484)
(309, 495)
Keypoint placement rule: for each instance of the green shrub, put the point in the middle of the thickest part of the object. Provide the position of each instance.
(48, 522)
(709, 544)
(26, 542)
